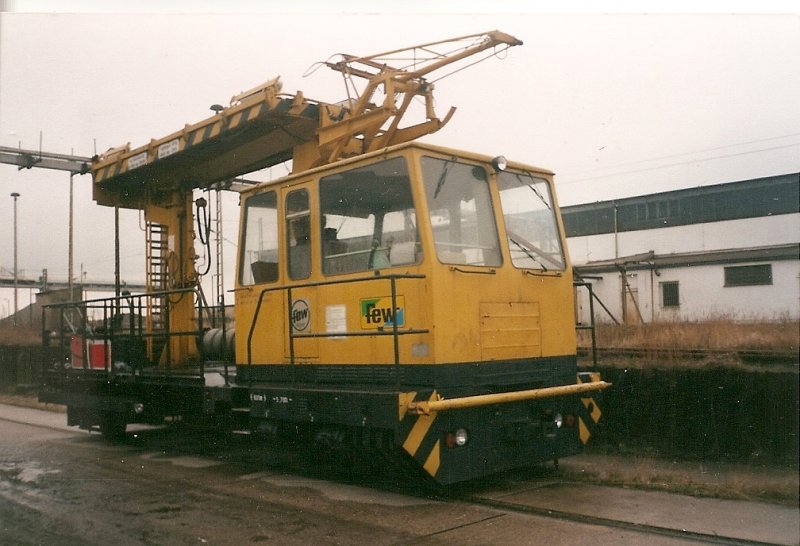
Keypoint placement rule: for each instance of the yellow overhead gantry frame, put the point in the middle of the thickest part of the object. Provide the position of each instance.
(262, 127)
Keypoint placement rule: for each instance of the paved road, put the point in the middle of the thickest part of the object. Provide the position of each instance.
(65, 487)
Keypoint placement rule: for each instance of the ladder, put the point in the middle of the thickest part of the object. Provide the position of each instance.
(156, 273)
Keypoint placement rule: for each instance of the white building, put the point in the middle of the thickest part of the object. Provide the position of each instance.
(724, 251)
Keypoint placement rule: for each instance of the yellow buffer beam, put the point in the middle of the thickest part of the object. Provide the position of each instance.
(427, 407)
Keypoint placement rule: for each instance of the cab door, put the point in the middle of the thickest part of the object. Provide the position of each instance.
(301, 246)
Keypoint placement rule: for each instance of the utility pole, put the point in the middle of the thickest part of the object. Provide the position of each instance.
(28, 159)
(70, 250)
(15, 195)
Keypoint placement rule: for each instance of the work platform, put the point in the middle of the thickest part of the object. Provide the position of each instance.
(260, 128)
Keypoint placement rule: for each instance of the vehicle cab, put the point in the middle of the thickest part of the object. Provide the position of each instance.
(416, 255)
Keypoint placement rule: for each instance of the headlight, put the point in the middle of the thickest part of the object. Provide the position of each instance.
(499, 163)
(558, 420)
(458, 438)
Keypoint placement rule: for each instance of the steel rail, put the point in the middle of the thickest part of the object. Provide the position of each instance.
(644, 528)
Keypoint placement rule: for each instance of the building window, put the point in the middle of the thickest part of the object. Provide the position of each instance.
(748, 275)
(670, 296)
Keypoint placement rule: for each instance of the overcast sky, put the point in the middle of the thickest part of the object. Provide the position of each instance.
(616, 104)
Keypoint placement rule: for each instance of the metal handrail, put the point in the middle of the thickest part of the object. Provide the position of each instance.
(591, 326)
(111, 309)
(292, 335)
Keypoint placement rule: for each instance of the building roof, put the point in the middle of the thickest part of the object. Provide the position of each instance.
(758, 197)
(650, 260)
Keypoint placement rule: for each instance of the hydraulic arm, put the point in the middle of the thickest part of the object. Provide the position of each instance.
(368, 126)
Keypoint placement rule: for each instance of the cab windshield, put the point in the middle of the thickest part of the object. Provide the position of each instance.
(460, 208)
(530, 219)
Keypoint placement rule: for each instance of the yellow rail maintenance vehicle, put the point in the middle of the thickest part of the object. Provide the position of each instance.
(396, 298)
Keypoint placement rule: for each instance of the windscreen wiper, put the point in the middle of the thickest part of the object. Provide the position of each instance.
(534, 190)
(528, 253)
(442, 178)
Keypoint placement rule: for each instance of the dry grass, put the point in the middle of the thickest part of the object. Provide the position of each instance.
(19, 336)
(29, 401)
(717, 334)
(701, 479)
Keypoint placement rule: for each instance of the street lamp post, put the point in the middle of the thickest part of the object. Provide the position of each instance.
(15, 195)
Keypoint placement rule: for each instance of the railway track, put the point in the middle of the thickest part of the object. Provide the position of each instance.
(760, 357)
(529, 494)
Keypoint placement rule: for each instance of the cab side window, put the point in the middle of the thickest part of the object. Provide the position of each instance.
(298, 234)
(368, 219)
(259, 258)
